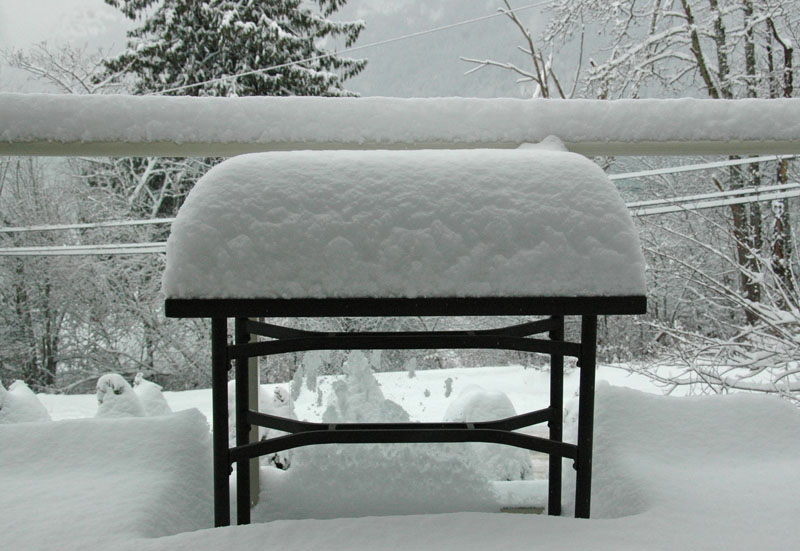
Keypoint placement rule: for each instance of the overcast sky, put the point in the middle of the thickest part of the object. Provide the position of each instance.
(23, 23)
(423, 66)
(26, 22)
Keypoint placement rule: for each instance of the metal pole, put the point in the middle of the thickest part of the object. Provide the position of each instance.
(556, 421)
(252, 399)
(219, 398)
(241, 336)
(583, 464)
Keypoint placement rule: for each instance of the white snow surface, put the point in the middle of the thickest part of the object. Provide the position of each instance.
(177, 124)
(94, 483)
(716, 473)
(427, 223)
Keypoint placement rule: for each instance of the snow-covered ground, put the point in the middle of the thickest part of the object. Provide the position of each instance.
(669, 473)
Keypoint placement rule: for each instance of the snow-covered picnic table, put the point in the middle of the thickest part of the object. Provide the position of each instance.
(531, 231)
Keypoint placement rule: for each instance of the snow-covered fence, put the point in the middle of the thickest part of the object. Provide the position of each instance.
(118, 125)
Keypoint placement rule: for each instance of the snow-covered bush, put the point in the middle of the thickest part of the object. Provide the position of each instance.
(116, 398)
(150, 396)
(498, 462)
(278, 402)
(19, 404)
(358, 397)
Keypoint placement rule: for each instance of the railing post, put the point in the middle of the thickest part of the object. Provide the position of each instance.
(219, 398)
(583, 464)
(556, 421)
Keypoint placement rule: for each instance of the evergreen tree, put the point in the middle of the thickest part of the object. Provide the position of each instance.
(185, 42)
(183, 46)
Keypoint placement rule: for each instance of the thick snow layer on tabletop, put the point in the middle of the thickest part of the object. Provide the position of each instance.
(292, 122)
(707, 473)
(527, 222)
(91, 483)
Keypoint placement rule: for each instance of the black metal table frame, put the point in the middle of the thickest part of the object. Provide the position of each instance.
(301, 433)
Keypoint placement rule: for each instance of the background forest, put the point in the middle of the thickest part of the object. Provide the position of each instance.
(723, 292)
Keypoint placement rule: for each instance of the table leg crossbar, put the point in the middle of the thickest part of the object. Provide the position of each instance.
(303, 433)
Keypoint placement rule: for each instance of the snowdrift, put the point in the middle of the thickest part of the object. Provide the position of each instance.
(674, 473)
(724, 458)
(93, 483)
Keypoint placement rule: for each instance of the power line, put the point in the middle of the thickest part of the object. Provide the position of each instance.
(755, 196)
(699, 166)
(639, 208)
(84, 250)
(714, 195)
(622, 176)
(88, 225)
(352, 49)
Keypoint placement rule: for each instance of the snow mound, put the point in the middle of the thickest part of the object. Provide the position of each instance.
(719, 457)
(94, 483)
(19, 404)
(446, 223)
(497, 461)
(275, 401)
(116, 398)
(150, 396)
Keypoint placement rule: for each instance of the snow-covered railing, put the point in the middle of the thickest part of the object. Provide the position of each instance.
(118, 125)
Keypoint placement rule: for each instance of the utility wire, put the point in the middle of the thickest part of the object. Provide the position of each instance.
(699, 166)
(353, 49)
(715, 195)
(622, 176)
(640, 208)
(88, 225)
(756, 196)
(75, 250)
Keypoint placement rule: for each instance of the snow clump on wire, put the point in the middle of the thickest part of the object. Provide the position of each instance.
(19, 404)
(116, 398)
